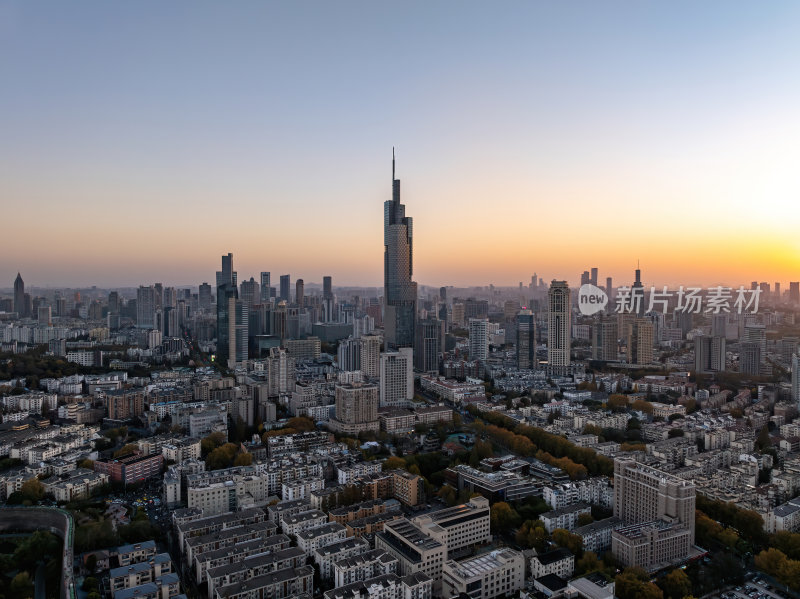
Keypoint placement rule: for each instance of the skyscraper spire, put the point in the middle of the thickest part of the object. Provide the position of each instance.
(392, 163)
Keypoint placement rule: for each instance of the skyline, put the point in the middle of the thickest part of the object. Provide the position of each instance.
(542, 140)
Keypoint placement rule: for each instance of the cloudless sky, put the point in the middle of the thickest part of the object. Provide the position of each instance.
(139, 141)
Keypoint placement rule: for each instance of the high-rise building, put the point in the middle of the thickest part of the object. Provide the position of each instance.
(593, 278)
(559, 326)
(796, 379)
(709, 353)
(526, 340)
(348, 354)
(371, 356)
(478, 339)
(356, 408)
(756, 333)
(586, 278)
(605, 340)
(238, 313)
(399, 291)
(637, 294)
(777, 291)
(19, 296)
(658, 510)
(397, 378)
(794, 292)
(327, 287)
(285, 293)
(750, 357)
(113, 302)
(204, 297)
(639, 338)
(249, 292)
(226, 290)
(265, 287)
(610, 288)
(429, 344)
(146, 307)
(299, 292)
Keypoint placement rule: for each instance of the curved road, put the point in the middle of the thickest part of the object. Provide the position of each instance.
(55, 520)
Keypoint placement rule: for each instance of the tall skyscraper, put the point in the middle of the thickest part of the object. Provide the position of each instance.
(478, 339)
(637, 294)
(593, 278)
(249, 292)
(796, 379)
(399, 291)
(327, 287)
(371, 355)
(19, 296)
(794, 292)
(238, 313)
(204, 297)
(397, 378)
(265, 287)
(429, 344)
(299, 293)
(226, 290)
(559, 327)
(285, 294)
(146, 307)
(526, 340)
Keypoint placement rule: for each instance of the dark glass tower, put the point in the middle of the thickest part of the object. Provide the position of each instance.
(226, 289)
(19, 296)
(399, 291)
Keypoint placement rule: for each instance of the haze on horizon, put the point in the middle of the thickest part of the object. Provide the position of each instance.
(142, 141)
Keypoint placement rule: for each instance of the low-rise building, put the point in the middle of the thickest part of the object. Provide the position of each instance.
(498, 573)
(559, 561)
(566, 517)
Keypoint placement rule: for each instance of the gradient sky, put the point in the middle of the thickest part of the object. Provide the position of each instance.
(139, 141)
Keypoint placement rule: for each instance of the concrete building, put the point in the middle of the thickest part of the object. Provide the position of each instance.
(412, 548)
(559, 327)
(397, 378)
(479, 339)
(495, 574)
(356, 409)
(558, 561)
(460, 526)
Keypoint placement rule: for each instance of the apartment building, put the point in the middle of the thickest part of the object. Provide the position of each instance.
(325, 557)
(459, 526)
(495, 574)
(413, 549)
(280, 584)
(362, 566)
(565, 517)
(386, 586)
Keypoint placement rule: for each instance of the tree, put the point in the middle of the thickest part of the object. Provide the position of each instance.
(32, 490)
(584, 519)
(301, 424)
(567, 540)
(243, 459)
(22, 586)
(532, 534)
(88, 464)
(632, 583)
(763, 441)
(675, 432)
(448, 494)
(588, 563)
(211, 442)
(126, 450)
(503, 518)
(91, 562)
(394, 463)
(676, 585)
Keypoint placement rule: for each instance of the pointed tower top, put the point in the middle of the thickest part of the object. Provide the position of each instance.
(392, 163)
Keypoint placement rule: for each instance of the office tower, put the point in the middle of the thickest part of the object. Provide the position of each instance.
(586, 278)
(327, 287)
(348, 354)
(639, 339)
(265, 287)
(457, 317)
(285, 293)
(719, 325)
(226, 290)
(510, 309)
(559, 326)
(280, 321)
(363, 325)
(637, 294)
(526, 340)
(765, 293)
(397, 378)
(113, 302)
(796, 379)
(709, 353)
(478, 339)
(750, 357)
(356, 408)
(474, 308)
(204, 297)
(429, 344)
(371, 356)
(19, 296)
(146, 307)
(44, 316)
(658, 511)
(777, 292)
(238, 313)
(787, 348)
(756, 333)
(609, 288)
(443, 293)
(399, 291)
(169, 297)
(593, 278)
(605, 340)
(299, 293)
(249, 292)
(794, 292)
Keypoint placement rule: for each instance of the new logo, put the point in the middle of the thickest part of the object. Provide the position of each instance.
(591, 299)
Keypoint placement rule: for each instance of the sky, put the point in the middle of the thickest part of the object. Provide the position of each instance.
(140, 141)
